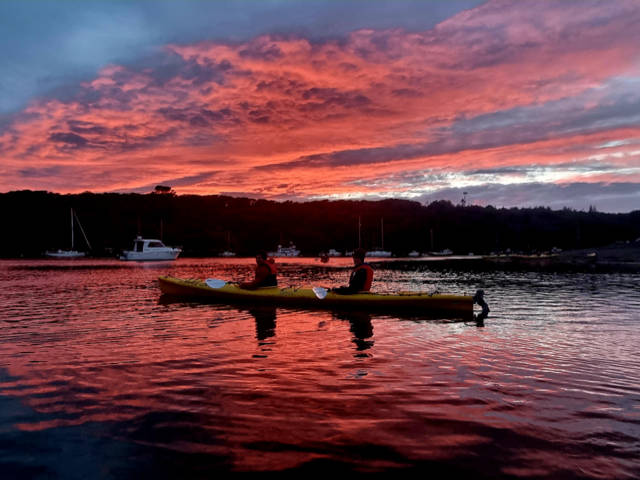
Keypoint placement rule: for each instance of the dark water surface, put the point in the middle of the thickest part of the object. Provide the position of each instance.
(100, 378)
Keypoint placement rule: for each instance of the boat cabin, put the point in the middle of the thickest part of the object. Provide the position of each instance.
(139, 244)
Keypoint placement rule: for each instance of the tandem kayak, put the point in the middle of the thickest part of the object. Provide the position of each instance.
(219, 291)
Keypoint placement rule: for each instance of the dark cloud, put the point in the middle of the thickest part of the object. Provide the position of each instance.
(84, 96)
(364, 156)
(41, 172)
(517, 126)
(141, 142)
(123, 77)
(108, 97)
(407, 93)
(7, 120)
(487, 35)
(175, 114)
(197, 116)
(217, 115)
(281, 85)
(316, 104)
(86, 128)
(207, 72)
(174, 182)
(68, 138)
(619, 108)
(327, 97)
(260, 49)
(578, 167)
(198, 121)
(191, 179)
(499, 170)
(259, 116)
(348, 67)
(162, 67)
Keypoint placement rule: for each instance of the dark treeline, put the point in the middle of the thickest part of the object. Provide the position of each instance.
(206, 225)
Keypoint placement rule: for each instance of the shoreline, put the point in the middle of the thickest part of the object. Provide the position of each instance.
(502, 263)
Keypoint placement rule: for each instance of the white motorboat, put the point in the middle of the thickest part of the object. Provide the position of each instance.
(150, 249)
(334, 253)
(442, 253)
(379, 253)
(70, 253)
(414, 253)
(290, 251)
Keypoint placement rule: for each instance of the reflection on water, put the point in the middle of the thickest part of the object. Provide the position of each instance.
(99, 377)
(265, 316)
(360, 326)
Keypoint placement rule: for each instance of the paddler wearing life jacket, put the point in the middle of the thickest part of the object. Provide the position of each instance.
(361, 275)
(266, 273)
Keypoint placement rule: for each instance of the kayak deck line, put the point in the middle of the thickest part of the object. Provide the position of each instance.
(419, 302)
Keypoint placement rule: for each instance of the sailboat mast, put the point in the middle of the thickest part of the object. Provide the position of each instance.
(72, 229)
(382, 233)
(359, 240)
(82, 230)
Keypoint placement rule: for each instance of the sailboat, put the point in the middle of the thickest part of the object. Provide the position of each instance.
(382, 252)
(71, 253)
(228, 252)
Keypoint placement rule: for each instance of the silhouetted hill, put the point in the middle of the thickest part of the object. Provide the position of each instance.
(35, 221)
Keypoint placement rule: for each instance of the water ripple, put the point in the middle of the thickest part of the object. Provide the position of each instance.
(549, 388)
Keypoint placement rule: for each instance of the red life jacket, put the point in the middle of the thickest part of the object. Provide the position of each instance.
(272, 279)
(270, 262)
(369, 279)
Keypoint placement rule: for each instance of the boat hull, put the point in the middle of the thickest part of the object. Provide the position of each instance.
(65, 254)
(423, 303)
(379, 254)
(150, 256)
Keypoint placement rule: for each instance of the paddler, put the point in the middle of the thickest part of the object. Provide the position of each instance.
(266, 273)
(361, 275)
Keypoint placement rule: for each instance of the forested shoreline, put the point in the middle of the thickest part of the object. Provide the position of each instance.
(36, 221)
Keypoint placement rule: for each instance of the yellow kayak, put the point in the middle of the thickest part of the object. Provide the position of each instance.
(220, 291)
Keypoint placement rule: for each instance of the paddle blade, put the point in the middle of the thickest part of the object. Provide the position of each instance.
(320, 292)
(215, 283)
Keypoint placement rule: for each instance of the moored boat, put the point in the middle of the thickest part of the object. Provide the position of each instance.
(65, 254)
(290, 251)
(150, 249)
(220, 291)
(442, 253)
(379, 253)
(70, 253)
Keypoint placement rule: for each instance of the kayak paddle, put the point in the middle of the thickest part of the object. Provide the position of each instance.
(320, 292)
(215, 283)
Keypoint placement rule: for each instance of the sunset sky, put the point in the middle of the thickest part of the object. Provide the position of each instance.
(517, 103)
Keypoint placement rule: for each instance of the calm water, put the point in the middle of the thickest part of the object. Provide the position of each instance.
(100, 378)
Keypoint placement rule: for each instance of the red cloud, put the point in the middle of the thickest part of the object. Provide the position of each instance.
(382, 101)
